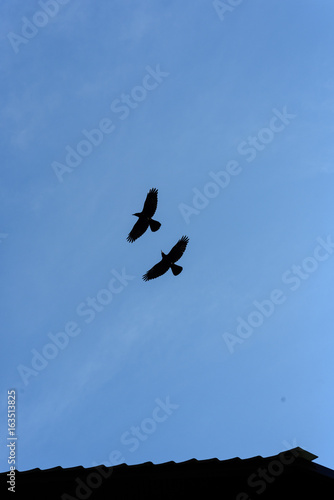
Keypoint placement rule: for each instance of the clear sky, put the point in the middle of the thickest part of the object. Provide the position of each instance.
(228, 112)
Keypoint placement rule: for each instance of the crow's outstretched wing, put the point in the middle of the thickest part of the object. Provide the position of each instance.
(178, 249)
(151, 203)
(157, 270)
(138, 229)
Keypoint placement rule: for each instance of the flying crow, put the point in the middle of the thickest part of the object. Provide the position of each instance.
(168, 261)
(145, 217)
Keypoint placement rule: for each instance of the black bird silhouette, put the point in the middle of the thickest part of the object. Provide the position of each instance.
(145, 217)
(168, 261)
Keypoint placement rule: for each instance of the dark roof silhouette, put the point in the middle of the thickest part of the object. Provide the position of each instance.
(145, 217)
(168, 260)
(290, 475)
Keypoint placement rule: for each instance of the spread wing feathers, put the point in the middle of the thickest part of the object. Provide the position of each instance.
(151, 203)
(157, 270)
(138, 230)
(178, 249)
(168, 261)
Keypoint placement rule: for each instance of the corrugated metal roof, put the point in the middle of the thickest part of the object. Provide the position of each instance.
(285, 475)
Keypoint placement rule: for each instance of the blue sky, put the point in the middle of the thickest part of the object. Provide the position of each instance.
(230, 115)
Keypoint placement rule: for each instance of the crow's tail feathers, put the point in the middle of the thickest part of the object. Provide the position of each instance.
(176, 269)
(154, 225)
